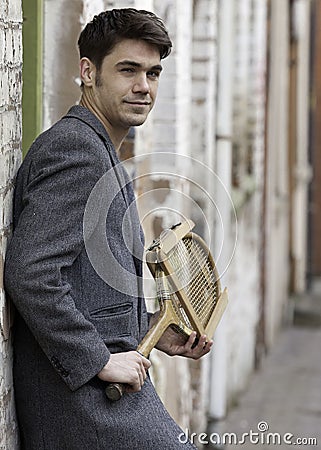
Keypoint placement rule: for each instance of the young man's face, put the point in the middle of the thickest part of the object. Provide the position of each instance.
(126, 86)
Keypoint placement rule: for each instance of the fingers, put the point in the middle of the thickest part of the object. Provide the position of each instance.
(146, 362)
(129, 368)
(191, 340)
(197, 349)
(144, 365)
(140, 365)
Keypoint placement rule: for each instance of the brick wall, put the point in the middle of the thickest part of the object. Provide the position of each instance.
(10, 157)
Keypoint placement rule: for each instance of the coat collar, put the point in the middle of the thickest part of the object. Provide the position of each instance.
(86, 116)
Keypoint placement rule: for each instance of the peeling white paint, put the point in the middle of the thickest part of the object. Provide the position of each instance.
(10, 158)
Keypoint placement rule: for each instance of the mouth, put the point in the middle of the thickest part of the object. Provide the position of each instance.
(138, 103)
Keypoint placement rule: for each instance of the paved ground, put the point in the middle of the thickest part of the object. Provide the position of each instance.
(284, 396)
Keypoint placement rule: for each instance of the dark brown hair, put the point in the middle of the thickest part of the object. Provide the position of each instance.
(107, 29)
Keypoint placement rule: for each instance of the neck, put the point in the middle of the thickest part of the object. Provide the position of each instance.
(116, 135)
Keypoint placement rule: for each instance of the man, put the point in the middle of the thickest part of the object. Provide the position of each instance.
(73, 331)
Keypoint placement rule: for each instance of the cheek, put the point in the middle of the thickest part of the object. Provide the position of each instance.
(153, 91)
(111, 97)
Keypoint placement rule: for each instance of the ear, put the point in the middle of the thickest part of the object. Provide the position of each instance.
(87, 72)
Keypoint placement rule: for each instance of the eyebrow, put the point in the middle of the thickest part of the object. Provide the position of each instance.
(136, 64)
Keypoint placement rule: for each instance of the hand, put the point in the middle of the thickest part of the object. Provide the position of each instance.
(174, 343)
(129, 368)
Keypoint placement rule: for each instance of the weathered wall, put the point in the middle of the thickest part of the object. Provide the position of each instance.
(277, 189)
(244, 273)
(301, 172)
(60, 68)
(10, 157)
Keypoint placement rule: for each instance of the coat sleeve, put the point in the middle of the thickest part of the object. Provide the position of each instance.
(47, 238)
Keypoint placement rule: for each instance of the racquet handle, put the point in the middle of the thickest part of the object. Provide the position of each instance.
(114, 391)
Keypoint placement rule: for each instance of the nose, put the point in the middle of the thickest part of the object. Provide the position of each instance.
(141, 84)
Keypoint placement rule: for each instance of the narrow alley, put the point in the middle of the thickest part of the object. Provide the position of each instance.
(281, 407)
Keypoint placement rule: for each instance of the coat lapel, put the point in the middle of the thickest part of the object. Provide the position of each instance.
(133, 223)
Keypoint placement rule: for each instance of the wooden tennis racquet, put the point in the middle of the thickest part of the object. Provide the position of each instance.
(187, 287)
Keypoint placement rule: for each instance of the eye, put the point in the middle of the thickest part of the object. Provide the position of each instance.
(127, 70)
(153, 74)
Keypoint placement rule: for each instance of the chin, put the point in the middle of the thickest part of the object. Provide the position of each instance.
(136, 117)
(136, 121)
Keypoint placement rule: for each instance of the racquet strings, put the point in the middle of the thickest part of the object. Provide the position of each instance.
(193, 267)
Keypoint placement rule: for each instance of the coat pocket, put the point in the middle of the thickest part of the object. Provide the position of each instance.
(112, 321)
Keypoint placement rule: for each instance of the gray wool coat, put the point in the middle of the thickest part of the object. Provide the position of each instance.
(73, 307)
